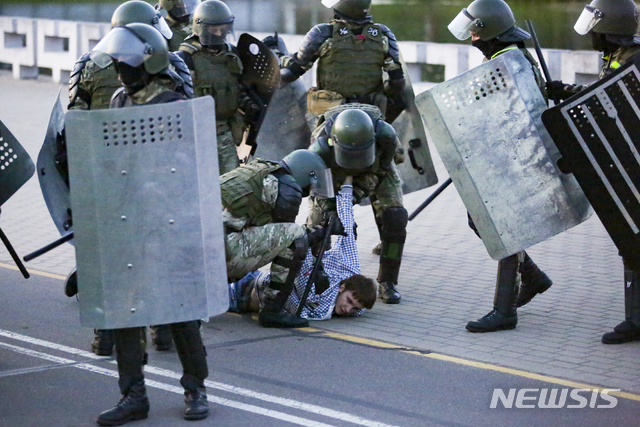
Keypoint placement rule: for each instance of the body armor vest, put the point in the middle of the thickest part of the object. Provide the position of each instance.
(352, 64)
(241, 191)
(218, 76)
(617, 59)
(104, 82)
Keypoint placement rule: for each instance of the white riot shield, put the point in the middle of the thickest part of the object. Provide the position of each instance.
(147, 214)
(486, 126)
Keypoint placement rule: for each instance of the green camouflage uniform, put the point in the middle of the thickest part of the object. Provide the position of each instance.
(91, 86)
(181, 30)
(252, 241)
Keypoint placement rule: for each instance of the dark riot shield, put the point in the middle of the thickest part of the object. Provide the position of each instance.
(417, 171)
(261, 71)
(285, 127)
(55, 189)
(486, 126)
(16, 167)
(147, 211)
(598, 134)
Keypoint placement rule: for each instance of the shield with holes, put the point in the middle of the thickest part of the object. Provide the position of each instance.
(285, 127)
(53, 171)
(417, 170)
(147, 214)
(486, 126)
(16, 166)
(598, 134)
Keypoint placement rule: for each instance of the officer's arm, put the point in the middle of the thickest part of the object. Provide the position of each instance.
(302, 61)
(386, 141)
(393, 65)
(182, 70)
(186, 57)
(79, 96)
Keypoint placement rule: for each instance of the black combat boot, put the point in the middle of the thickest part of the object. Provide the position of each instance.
(161, 337)
(134, 405)
(534, 281)
(393, 235)
(629, 330)
(193, 357)
(103, 341)
(71, 283)
(273, 314)
(504, 315)
(388, 292)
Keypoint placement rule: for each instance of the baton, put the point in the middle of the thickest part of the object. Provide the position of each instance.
(49, 247)
(316, 266)
(14, 255)
(430, 199)
(543, 64)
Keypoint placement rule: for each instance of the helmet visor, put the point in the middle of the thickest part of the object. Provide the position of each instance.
(588, 19)
(215, 34)
(322, 183)
(462, 25)
(161, 25)
(354, 158)
(330, 3)
(123, 45)
(184, 8)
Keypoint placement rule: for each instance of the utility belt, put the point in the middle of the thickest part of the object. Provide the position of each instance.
(320, 100)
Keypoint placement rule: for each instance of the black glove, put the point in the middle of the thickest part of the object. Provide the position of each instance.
(560, 89)
(289, 199)
(315, 235)
(338, 229)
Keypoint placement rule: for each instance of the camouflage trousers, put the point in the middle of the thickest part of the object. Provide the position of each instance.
(255, 247)
(227, 151)
(384, 189)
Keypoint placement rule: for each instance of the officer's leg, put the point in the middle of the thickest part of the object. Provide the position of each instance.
(534, 281)
(503, 315)
(629, 330)
(130, 354)
(103, 341)
(377, 249)
(227, 150)
(284, 269)
(193, 357)
(161, 337)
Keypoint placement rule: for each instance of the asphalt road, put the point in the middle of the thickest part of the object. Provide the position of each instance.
(258, 376)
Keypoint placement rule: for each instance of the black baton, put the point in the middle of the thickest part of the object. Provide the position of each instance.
(543, 63)
(14, 255)
(49, 247)
(430, 199)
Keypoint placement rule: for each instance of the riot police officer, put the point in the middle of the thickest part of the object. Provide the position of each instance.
(178, 13)
(491, 26)
(612, 25)
(352, 53)
(217, 71)
(261, 200)
(354, 140)
(141, 58)
(91, 86)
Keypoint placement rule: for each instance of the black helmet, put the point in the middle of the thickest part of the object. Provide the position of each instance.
(212, 22)
(489, 19)
(179, 8)
(136, 11)
(353, 137)
(135, 45)
(610, 17)
(310, 172)
(352, 9)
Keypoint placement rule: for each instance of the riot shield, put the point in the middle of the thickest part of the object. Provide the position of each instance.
(53, 171)
(285, 128)
(417, 171)
(16, 167)
(486, 126)
(598, 134)
(147, 210)
(261, 75)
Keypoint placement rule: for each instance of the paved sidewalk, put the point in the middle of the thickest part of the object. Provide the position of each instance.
(447, 277)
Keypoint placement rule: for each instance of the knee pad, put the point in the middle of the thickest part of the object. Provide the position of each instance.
(394, 223)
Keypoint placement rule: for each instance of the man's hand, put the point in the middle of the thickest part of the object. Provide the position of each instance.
(337, 228)
(560, 89)
(289, 199)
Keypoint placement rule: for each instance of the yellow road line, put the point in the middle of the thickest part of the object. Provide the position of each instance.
(436, 356)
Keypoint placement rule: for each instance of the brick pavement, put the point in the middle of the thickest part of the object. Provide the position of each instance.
(447, 277)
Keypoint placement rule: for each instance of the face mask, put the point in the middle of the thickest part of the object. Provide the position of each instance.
(598, 42)
(133, 78)
(486, 47)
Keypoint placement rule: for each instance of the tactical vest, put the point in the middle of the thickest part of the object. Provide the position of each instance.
(104, 82)
(352, 64)
(180, 32)
(241, 191)
(218, 76)
(617, 59)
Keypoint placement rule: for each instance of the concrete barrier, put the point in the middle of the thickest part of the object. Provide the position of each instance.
(29, 44)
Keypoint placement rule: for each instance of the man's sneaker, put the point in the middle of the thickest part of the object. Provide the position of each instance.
(624, 332)
(388, 292)
(494, 321)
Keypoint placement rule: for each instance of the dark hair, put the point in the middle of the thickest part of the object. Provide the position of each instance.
(364, 290)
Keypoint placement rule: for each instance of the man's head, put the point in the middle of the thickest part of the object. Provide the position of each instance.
(610, 22)
(212, 22)
(353, 138)
(179, 10)
(487, 20)
(356, 292)
(310, 172)
(137, 11)
(138, 52)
